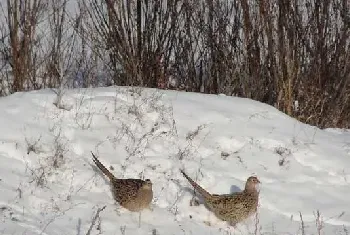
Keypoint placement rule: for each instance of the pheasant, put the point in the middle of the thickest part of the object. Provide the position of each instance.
(132, 194)
(234, 207)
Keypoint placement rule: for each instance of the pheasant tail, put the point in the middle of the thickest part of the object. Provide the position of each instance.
(102, 168)
(196, 186)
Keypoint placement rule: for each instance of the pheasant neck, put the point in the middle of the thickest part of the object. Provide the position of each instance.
(251, 189)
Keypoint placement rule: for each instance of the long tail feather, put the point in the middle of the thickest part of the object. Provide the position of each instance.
(196, 186)
(102, 167)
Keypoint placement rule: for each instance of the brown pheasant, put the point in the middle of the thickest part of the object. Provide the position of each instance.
(132, 194)
(234, 207)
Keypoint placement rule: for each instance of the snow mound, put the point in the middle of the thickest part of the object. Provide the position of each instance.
(49, 185)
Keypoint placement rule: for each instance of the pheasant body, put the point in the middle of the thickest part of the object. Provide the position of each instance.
(234, 207)
(132, 194)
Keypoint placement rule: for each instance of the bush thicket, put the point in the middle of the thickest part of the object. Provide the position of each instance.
(293, 55)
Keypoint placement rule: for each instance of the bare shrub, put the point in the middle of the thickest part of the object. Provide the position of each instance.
(93, 222)
(83, 112)
(319, 222)
(39, 47)
(139, 38)
(59, 151)
(38, 176)
(284, 154)
(192, 134)
(302, 224)
(21, 44)
(33, 146)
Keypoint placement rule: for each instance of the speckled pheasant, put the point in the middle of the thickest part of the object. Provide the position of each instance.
(132, 194)
(234, 207)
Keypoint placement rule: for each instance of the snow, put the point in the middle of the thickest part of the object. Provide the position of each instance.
(50, 186)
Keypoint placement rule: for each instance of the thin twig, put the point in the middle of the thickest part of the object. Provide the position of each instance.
(302, 224)
(94, 219)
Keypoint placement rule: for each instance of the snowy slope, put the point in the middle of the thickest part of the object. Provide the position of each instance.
(50, 186)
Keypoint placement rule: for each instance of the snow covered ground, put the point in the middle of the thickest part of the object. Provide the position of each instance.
(48, 184)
